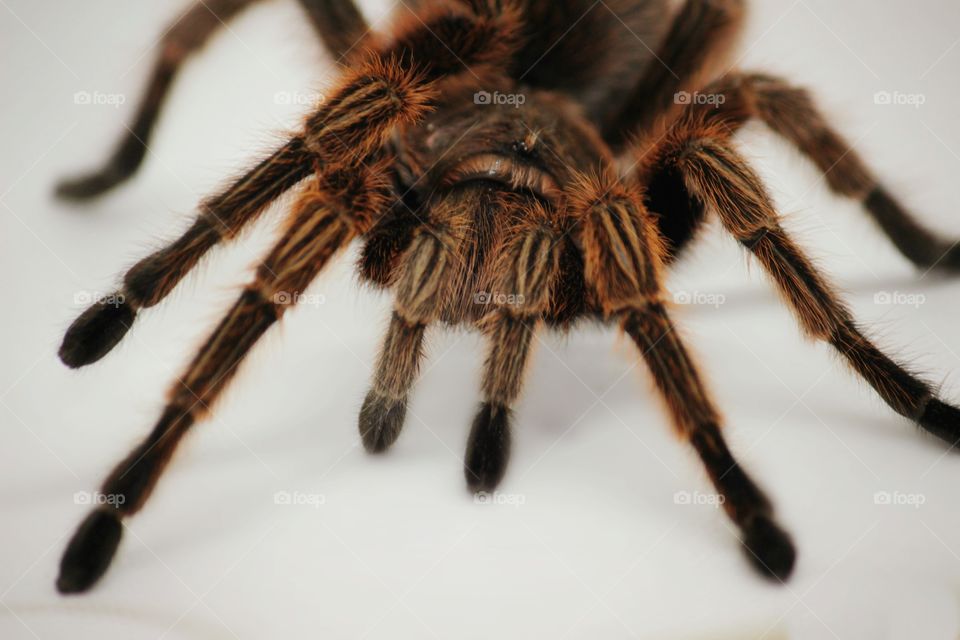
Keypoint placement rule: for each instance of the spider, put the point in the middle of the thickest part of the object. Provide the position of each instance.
(512, 173)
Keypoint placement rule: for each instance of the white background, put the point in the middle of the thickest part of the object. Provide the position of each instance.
(398, 549)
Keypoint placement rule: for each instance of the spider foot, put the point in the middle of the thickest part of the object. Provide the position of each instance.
(768, 548)
(942, 420)
(381, 420)
(96, 332)
(89, 186)
(949, 263)
(488, 449)
(90, 551)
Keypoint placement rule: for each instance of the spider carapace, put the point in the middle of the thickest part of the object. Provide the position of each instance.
(513, 165)
(493, 171)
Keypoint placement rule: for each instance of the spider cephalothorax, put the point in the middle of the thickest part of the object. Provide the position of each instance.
(504, 163)
(508, 165)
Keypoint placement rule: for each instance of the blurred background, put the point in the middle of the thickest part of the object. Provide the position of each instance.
(272, 521)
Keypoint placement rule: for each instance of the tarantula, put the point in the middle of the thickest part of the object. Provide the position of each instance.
(509, 165)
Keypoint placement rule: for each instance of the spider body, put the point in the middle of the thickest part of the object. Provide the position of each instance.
(500, 161)
(508, 165)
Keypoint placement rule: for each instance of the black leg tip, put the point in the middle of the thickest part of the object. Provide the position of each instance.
(96, 332)
(769, 549)
(947, 261)
(488, 448)
(942, 420)
(90, 551)
(381, 420)
(88, 187)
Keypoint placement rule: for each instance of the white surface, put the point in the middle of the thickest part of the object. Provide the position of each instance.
(598, 548)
